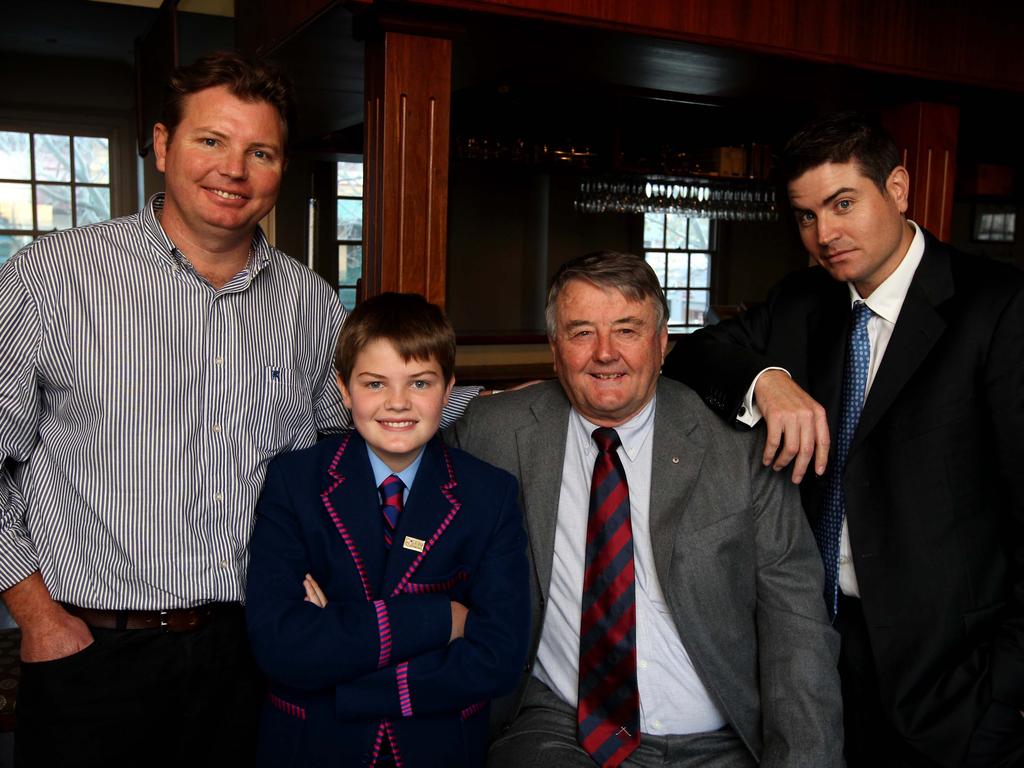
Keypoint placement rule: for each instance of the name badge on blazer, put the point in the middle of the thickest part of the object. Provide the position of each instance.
(416, 545)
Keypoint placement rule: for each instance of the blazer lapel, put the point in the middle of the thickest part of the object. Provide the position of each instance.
(429, 510)
(349, 499)
(541, 448)
(677, 454)
(918, 327)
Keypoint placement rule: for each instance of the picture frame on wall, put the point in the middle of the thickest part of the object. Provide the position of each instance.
(994, 223)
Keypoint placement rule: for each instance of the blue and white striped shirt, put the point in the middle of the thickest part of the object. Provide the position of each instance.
(139, 407)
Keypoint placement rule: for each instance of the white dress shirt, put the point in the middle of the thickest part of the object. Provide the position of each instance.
(673, 700)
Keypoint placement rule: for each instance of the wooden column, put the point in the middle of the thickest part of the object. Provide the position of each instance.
(926, 135)
(405, 204)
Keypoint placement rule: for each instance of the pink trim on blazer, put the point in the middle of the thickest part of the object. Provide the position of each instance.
(287, 707)
(384, 630)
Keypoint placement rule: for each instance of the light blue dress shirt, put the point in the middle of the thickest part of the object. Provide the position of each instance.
(673, 700)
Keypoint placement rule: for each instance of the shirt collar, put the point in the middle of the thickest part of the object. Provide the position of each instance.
(382, 471)
(887, 299)
(632, 433)
(259, 252)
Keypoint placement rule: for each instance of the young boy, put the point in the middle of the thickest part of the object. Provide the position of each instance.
(387, 596)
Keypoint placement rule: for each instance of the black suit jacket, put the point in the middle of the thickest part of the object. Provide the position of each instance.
(934, 480)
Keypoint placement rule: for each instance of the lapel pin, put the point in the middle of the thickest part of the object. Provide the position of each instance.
(675, 459)
(416, 545)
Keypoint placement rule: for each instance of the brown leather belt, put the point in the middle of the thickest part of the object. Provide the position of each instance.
(177, 620)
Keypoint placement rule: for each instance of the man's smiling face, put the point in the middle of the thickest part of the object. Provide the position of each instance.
(607, 351)
(223, 165)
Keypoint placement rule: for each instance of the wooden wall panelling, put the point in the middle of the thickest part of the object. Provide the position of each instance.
(927, 135)
(262, 25)
(820, 27)
(948, 39)
(405, 204)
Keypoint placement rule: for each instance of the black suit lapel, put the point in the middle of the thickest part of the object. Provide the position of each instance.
(918, 327)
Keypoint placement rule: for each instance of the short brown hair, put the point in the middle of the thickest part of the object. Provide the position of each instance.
(245, 78)
(625, 272)
(841, 137)
(417, 329)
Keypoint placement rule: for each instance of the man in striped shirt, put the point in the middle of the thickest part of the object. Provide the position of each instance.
(152, 367)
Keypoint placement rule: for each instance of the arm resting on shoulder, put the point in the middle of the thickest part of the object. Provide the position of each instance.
(721, 362)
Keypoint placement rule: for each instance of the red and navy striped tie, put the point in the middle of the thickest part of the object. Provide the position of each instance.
(391, 505)
(608, 712)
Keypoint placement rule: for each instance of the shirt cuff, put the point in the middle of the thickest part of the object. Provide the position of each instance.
(749, 413)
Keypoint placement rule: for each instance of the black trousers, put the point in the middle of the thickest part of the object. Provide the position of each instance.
(872, 742)
(144, 697)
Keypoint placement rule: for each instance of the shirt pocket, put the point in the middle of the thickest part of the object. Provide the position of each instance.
(285, 411)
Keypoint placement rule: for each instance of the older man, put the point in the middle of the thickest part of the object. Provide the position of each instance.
(678, 621)
(153, 365)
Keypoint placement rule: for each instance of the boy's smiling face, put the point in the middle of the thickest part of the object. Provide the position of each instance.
(396, 404)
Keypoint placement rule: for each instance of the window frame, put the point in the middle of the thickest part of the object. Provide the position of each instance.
(711, 251)
(124, 163)
(338, 242)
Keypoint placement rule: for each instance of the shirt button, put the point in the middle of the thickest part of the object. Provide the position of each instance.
(224, 564)
(216, 427)
(743, 410)
(657, 723)
(218, 360)
(218, 496)
(642, 664)
(843, 559)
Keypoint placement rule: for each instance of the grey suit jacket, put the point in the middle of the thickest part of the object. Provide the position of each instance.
(733, 551)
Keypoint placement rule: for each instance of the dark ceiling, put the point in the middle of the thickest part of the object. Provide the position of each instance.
(555, 83)
(81, 29)
(548, 81)
(74, 29)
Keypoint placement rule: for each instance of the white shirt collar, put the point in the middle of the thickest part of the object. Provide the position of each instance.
(632, 433)
(887, 299)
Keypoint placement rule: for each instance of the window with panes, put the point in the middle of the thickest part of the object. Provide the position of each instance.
(680, 249)
(350, 230)
(50, 181)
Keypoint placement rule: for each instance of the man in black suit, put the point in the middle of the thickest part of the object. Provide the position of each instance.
(919, 509)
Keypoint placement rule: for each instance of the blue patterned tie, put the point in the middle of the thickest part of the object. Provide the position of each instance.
(829, 526)
(391, 505)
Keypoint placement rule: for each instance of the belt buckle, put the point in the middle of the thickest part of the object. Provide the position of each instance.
(165, 622)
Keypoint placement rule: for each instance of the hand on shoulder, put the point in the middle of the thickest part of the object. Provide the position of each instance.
(797, 426)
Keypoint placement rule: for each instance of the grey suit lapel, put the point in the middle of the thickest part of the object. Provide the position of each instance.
(676, 458)
(541, 448)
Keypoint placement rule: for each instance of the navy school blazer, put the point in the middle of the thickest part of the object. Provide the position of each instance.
(376, 664)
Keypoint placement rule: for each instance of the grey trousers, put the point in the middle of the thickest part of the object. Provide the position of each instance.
(544, 736)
